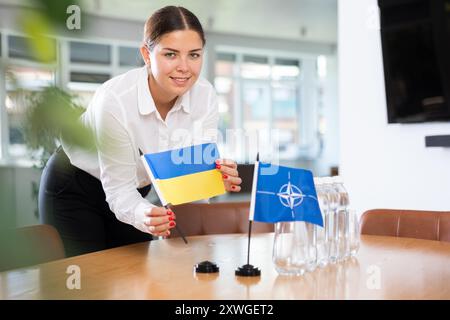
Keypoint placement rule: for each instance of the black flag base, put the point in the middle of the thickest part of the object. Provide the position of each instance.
(247, 270)
(206, 267)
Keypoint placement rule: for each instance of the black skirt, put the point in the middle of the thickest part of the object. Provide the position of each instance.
(73, 201)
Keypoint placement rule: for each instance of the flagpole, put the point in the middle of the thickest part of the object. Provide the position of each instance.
(249, 237)
(166, 205)
(250, 222)
(249, 270)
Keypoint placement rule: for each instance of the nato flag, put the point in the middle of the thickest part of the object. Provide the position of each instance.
(287, 195)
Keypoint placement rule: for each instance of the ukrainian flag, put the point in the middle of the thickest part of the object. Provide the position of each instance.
(186, 174)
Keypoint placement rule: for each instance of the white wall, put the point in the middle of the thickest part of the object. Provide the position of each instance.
(384, 166)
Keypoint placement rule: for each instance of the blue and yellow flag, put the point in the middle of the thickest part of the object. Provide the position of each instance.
(186, 174)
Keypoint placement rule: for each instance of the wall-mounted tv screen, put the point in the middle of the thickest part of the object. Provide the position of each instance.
(415, 39)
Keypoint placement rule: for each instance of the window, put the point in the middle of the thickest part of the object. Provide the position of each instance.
(255, 67)
(256, 105)
(18, 48)
(225, 87)
(21, 83)
(83, 85)
(89, 77)
(285, 69)
(81, 52)
(84, 66)
(285, 118)
(286, 105)
(258, 92)
(90, 65)
(130, 57)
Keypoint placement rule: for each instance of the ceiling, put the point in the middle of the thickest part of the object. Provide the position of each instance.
(307, 20)
(312, 20)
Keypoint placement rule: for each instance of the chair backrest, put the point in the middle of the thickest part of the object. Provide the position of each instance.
(431, 225)
(215, 218)
(29, 246)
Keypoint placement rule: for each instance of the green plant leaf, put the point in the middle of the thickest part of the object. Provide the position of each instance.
(53, 115)
(38, 28)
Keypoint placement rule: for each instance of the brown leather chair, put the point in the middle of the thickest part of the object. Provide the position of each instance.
(215, 218)
(431, 225)
(30, 245)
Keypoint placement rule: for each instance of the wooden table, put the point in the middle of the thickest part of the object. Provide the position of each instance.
(385, 268)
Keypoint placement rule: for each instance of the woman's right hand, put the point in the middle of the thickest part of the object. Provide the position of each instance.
(159, 221)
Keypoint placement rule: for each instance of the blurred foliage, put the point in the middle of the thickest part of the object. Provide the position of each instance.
(55, 11)
(53, 114)
(47, 18)
(37, 28)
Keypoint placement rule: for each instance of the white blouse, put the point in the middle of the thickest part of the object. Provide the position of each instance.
(124, 119)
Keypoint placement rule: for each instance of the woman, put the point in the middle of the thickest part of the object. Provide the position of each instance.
(96, 200)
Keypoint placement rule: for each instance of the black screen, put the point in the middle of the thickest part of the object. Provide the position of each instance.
(415, 37)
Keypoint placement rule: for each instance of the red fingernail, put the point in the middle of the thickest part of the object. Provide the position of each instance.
(233, 187)
(169, 212)
(171, 223)
(224, 176)
(218, 166)
(171, 218)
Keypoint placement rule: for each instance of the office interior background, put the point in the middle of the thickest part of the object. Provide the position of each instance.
(312, 69)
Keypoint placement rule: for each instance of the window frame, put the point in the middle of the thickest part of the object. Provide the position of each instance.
(304, 136)
(62, 68)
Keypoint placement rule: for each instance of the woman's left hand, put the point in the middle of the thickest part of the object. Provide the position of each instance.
(230, 175)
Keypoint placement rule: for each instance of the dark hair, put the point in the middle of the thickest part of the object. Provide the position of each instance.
(170, 19)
